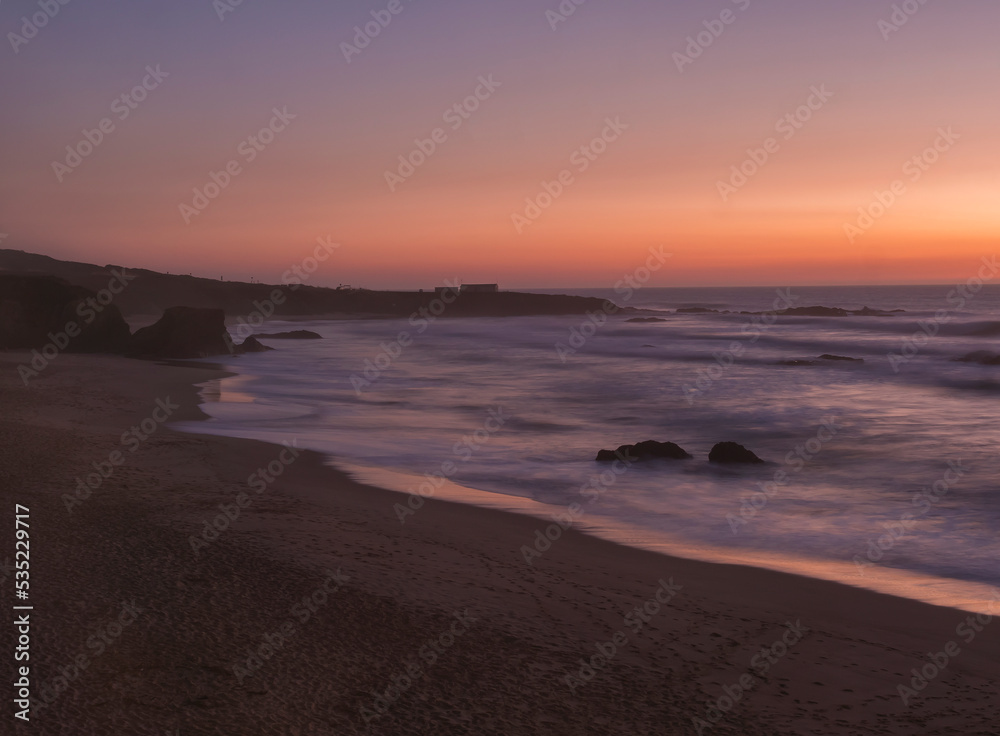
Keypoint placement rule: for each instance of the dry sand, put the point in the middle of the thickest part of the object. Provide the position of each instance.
(499, 666)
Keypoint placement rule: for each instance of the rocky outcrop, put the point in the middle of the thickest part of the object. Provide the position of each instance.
(647, 319)
(837, 312)
(648, 450)
(41, 311)
(183, 332)
(291, 335)
(732, 453)
(827, 356)
(251, 345)
(982, 357)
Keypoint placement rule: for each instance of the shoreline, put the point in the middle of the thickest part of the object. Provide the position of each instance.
(913, 586)
(958, 594)
(506, 673)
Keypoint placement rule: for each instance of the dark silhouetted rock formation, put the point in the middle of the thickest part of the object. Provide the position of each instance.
(647, 319)
(983, 357)
(835, 312)
(648, 450)
(730, 452)
(827, 356)
(251, 345)
(39, 311)
(292, 335)
(183, 332)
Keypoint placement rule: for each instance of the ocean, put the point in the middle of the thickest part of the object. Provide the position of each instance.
(881, 474)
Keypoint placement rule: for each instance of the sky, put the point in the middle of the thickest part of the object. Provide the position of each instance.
(580, 139)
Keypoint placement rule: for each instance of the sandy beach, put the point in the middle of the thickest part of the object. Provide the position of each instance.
(218, 586)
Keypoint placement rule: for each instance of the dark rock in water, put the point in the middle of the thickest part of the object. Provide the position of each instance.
(815, 312)
(697, 310)
(649, 346)
(183, 332)
(36, 311)
(730, 452)
(292, 335)
(827, 356)
(983, 357)
(607, 456)
(652, 448)
(818, 311)
(866, 312)
(647, 319)
(648, 450)
(251, 345)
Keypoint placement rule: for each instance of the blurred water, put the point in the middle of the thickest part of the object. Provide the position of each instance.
(895, 432)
